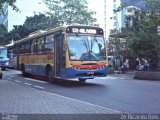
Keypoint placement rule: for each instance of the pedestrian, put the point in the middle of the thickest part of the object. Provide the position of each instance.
(125, 65)
(146, 65)
(138, 64)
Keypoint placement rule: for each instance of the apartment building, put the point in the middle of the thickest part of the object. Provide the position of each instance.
(112, 17)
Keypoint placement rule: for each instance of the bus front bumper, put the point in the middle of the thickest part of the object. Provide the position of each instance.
(85, 74)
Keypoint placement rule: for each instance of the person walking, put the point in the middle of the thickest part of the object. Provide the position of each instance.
(146, 65)
(125, 66)
(138, 64)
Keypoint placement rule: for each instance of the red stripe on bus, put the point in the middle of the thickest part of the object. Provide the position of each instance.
(89, 67)
(36, 54)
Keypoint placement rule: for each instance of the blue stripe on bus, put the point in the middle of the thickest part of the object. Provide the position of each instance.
(67, 72)
(35, 69)
(73, 73)
(4, 62)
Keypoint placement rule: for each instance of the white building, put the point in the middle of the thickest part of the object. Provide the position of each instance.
(112, 17)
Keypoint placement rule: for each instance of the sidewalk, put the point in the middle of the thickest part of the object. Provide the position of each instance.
(18, 99)
(127, 75)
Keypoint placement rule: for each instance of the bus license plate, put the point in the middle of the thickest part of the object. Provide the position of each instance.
(90, 73)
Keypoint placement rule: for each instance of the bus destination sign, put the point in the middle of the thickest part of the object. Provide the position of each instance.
(84, 30)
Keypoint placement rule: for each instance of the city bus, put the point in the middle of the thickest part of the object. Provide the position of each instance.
(73, 51)
(4, 60)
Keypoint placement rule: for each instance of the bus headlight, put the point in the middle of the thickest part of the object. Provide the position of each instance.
(7, 63)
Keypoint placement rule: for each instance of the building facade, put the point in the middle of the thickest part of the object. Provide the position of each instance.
(4, 16)
(114, 17)
(129, 10)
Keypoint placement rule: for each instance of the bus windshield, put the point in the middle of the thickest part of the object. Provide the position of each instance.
(3, 53)
(86, 48)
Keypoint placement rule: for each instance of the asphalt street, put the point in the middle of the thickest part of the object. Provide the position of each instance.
(116, 91)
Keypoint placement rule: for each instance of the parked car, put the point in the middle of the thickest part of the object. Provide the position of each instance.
(1, 73)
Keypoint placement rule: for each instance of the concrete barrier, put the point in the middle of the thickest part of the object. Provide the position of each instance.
(147, 75)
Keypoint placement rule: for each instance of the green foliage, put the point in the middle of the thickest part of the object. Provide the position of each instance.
(3, 33)
(61, 12)
(31, 24)
(40, 21)
(18, 32)
(144, 41)
(70, 11)
(140, 33)
(153, 5)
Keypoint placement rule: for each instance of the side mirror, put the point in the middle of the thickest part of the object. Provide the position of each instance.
(72, 52)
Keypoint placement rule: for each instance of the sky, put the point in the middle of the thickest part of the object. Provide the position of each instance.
(29, 7)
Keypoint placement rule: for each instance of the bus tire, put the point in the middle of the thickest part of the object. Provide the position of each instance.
(1, 76)
(81, 80)
(3, 69)
(49, 74)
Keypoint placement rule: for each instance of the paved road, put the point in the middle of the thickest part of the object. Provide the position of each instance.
(117, 91)
(21, 100)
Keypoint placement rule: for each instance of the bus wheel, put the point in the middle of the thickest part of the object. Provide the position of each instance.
(49, 75)
(3, 69)
(81, 80)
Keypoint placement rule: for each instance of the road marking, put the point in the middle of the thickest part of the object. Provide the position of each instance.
(39, 87)
(17, 81)
(27, 84)
(30, 79)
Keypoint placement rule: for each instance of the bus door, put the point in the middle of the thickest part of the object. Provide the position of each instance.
(58, 52)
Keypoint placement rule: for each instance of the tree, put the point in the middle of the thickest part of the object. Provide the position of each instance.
(40, 21)
(70, 11)
(18, 32)
(31, 24)
(3, 33)
(153, 5)
(144, 41)
(10, 3)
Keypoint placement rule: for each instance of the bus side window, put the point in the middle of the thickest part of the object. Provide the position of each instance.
(40, 44)
(27, 47)
(22, 48)
(49, 43)
(34, 46)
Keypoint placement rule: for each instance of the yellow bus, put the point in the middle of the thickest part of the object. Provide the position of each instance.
(73, 51)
